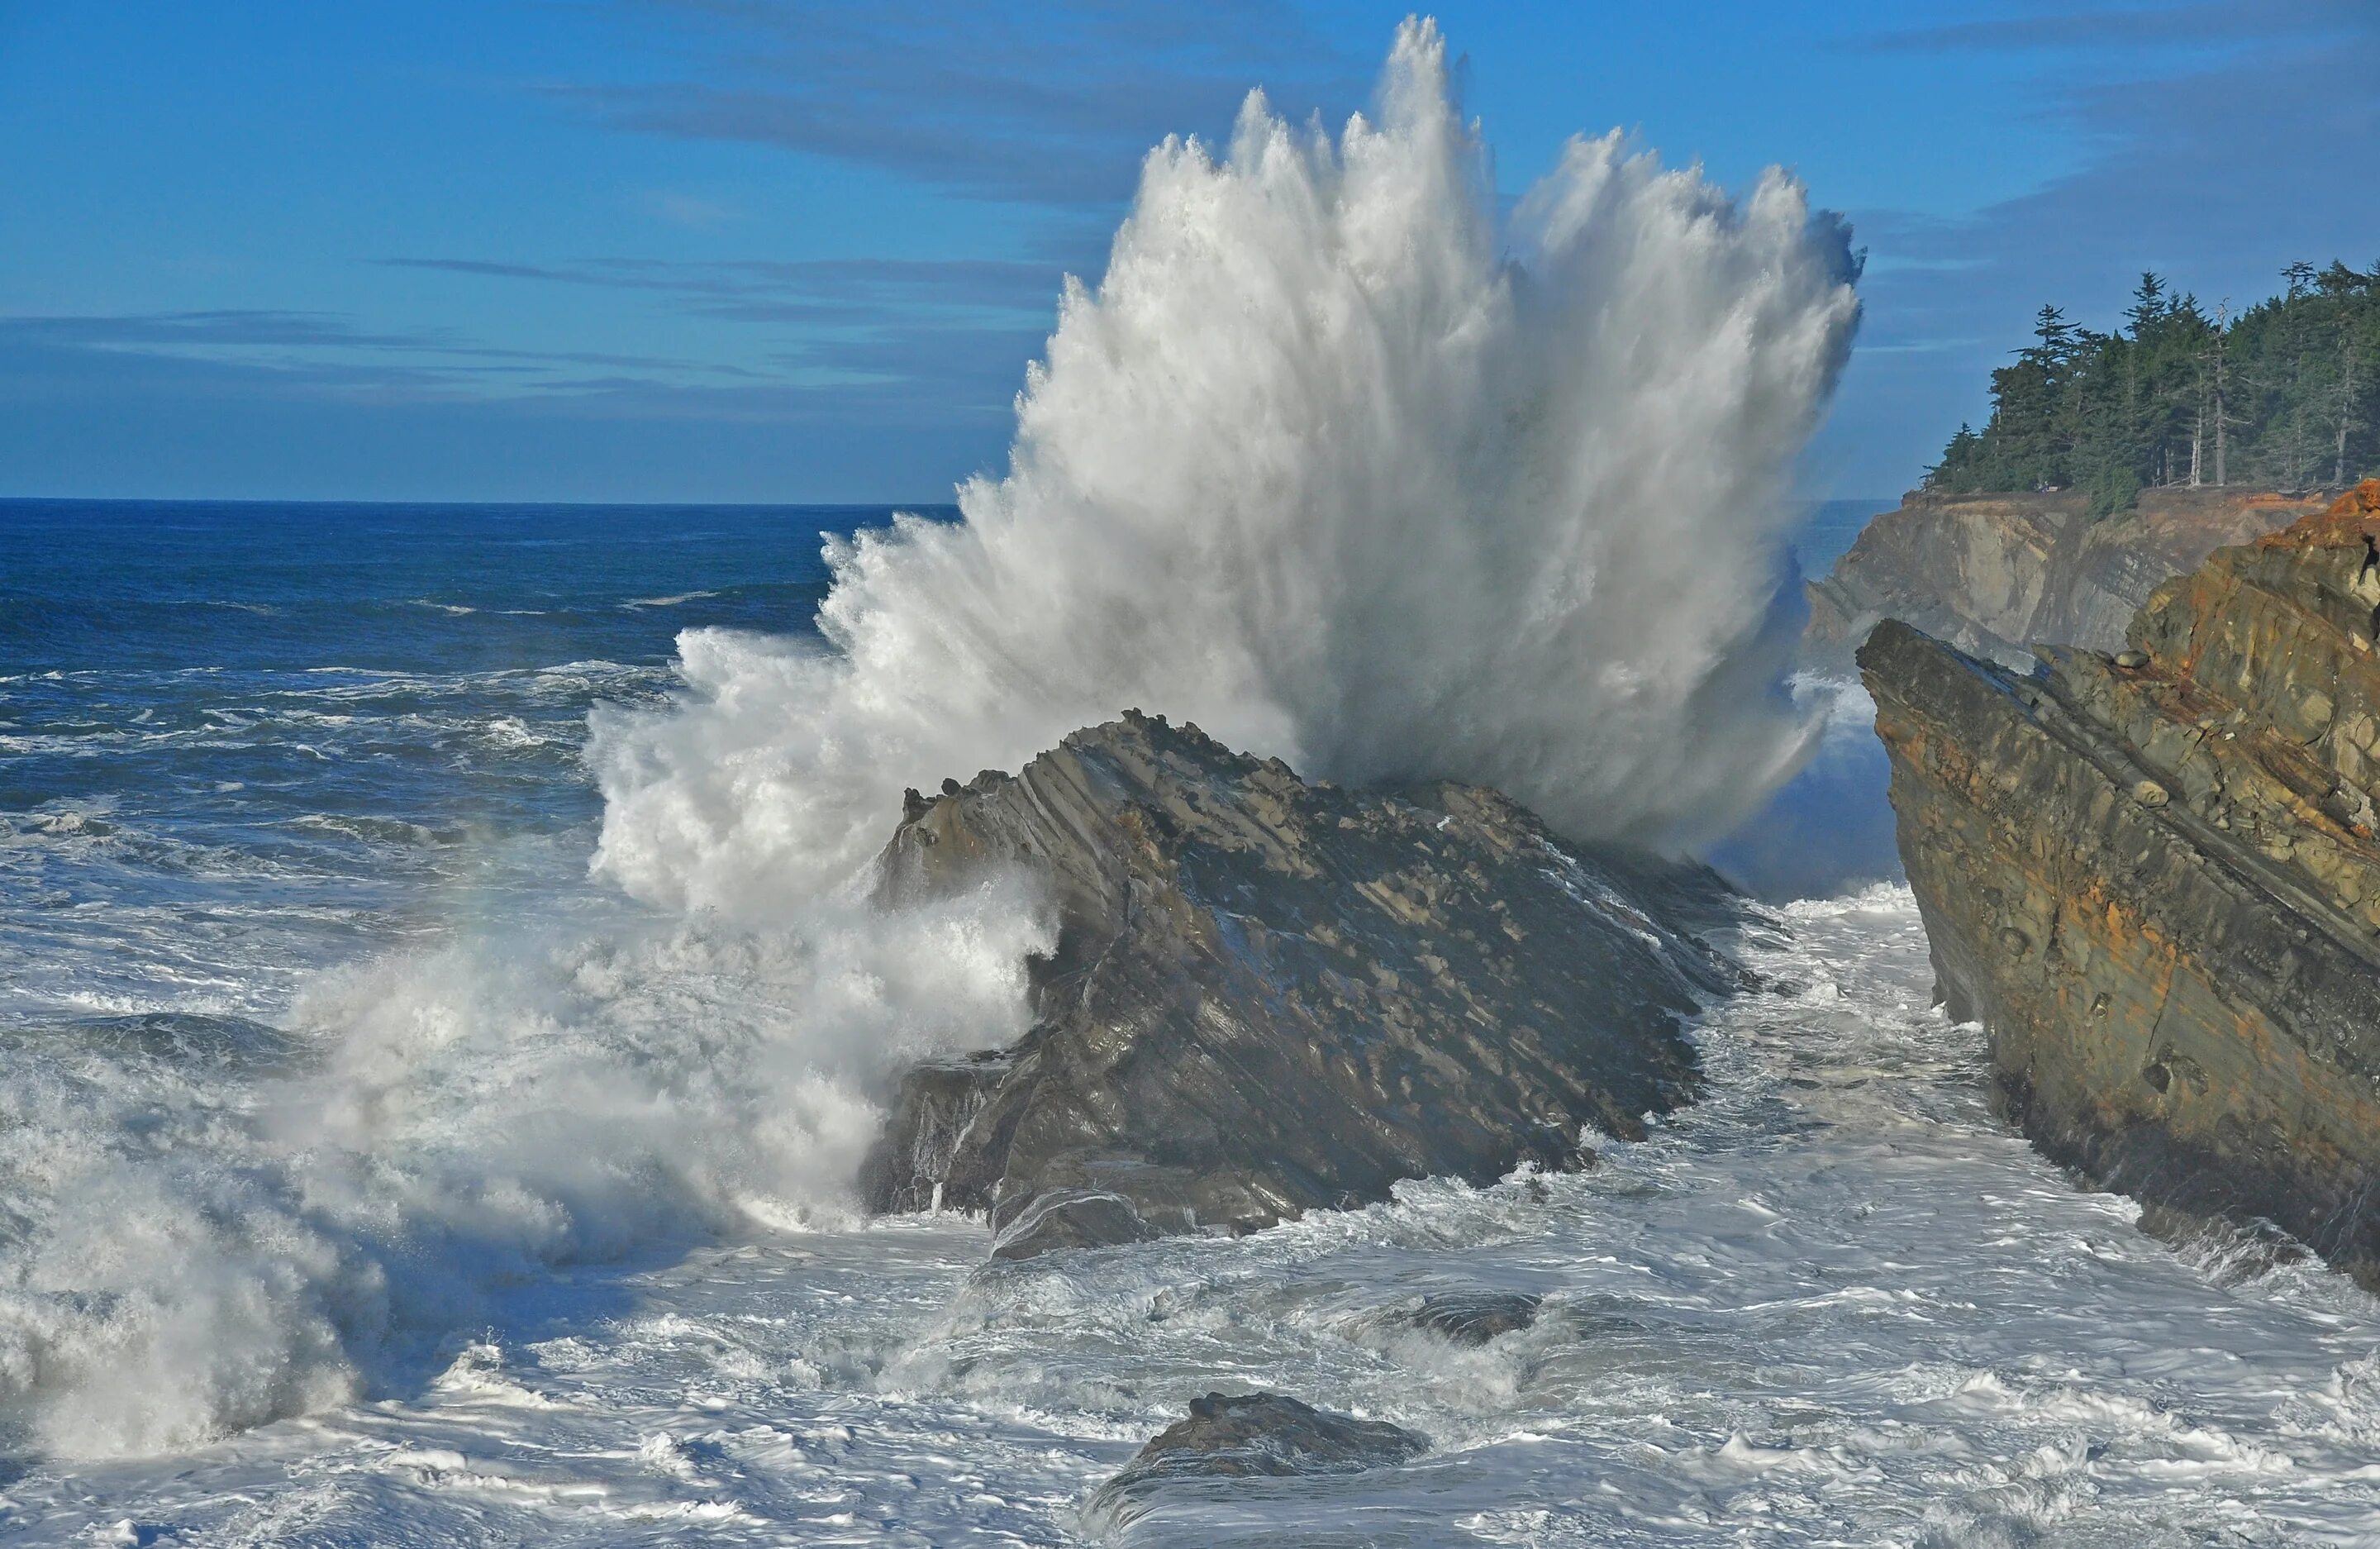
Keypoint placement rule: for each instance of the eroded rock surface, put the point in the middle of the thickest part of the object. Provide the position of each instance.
(1259, 1435)
(2154, 878)
(1269, 996)
(1993, 573)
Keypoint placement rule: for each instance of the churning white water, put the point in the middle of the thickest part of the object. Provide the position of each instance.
(1345, 470)
(526, 1220)
(1834, 1304)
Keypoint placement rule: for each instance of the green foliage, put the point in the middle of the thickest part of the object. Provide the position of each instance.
(2283, 395)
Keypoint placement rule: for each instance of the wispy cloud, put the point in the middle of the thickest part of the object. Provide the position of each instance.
(1048, 103)
(2227, 139)
(2234, 165)
(2130, 27)
(821, 287)
(308, 340)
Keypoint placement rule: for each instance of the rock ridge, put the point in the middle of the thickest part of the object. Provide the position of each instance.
(1993, 573)
(2154, 877)
(1269, 996)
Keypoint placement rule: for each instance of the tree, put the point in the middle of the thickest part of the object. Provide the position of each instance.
(2281, 394)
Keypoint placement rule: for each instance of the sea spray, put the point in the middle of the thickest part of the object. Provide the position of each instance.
(1331, 461)
(195, 1246)
(1342, 468)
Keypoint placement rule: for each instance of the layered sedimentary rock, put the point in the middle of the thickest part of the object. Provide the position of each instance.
(2154, 878)
(1269, 996)
(1993, 573)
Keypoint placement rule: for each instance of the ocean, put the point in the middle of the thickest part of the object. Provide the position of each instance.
(370, 1173)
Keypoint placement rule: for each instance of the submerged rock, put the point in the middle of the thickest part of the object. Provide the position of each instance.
(1269, 996)
(1474, 1317)
(1259, 1435)
(2158, 885)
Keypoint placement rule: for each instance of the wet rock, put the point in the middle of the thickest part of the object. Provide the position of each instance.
(1257, 1434)
(1474, 1317)
(1070, 1218)
(1992, 573)
(938, 1105)
(2198, 1023)
(1269, 996)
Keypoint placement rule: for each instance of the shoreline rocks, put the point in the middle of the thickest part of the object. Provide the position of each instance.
(2154, 878)
(1991, 573)
(1269, 996)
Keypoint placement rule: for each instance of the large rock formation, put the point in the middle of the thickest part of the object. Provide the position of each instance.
(1269, 996)
(1993, 573)
(2154, 878)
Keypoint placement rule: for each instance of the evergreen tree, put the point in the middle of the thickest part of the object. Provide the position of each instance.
(2285, 395)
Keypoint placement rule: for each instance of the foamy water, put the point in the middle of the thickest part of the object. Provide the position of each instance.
(370, 1172)
(1834, 1304)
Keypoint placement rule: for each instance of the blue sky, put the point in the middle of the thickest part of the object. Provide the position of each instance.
(768, 249)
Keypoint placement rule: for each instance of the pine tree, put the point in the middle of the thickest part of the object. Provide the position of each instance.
(2279, 394)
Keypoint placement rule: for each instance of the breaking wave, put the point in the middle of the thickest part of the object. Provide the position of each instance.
(1333, 461)
(1345, 470)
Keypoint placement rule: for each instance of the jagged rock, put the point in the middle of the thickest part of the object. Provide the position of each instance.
(2159, 888)
(1268, 996)
(1474, 1317)
(1262, 1435)
(1991, 573)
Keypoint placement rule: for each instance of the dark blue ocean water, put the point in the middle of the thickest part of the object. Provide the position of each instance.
(239, 739)
(238, 742)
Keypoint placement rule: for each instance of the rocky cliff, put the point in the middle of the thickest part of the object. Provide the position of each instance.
(2154, 878)
(1993, 573)
(1269, 996)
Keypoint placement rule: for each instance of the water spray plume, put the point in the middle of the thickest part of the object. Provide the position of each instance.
(1331, 462)
(1339, 468)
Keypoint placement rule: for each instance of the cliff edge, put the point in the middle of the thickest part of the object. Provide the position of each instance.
(1992, 573)
(1269, 996)
(2154, 878)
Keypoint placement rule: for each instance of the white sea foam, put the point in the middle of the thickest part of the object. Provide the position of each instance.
(200, 1247)
(1331, 461)
(1834, 1304)
(1342, 468)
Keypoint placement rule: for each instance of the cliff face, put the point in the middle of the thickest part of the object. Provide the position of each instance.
(2154, 879)
(1992, 573)
(1269, 996)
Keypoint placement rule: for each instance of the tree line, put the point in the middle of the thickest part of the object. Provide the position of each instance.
(2283, 395)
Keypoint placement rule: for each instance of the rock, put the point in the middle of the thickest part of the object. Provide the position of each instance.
(2199, 1021)
(1991, 573)
(1269, 996)
(1474, 1317)
(2132, 661)
(939, 1103)
(1259, 1435)
(1070, 1218)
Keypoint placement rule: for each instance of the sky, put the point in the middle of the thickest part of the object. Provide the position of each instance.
(779, 251)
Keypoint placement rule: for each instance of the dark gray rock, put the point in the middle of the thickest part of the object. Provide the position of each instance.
(1269, 996)
(940, 1101)
(1069, 1218)
(1257, 1434)
(1472, 1317)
